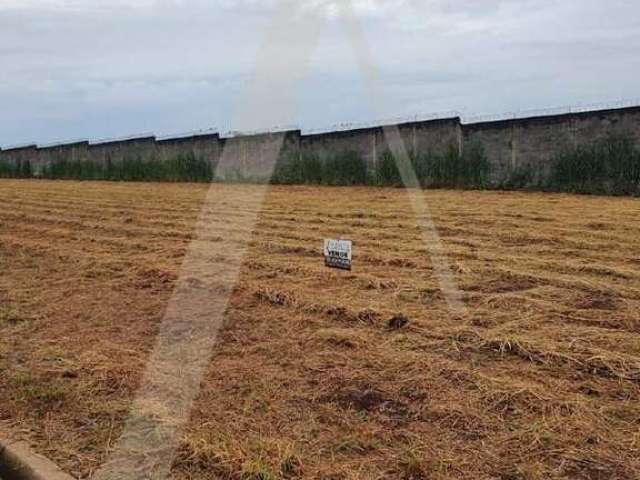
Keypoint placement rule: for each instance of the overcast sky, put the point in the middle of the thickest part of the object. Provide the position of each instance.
(74, 69)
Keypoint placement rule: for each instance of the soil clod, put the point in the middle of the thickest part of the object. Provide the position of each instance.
(397, 322)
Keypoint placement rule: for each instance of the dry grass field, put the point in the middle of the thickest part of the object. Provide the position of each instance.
(539, 379)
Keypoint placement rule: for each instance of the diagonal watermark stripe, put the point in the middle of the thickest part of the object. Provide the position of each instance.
(210, 269)
(431, 237)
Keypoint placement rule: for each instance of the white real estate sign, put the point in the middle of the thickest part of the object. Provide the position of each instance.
(337, 254)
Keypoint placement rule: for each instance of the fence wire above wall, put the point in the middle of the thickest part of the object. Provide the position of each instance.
(346, 126)
(63, 143)
(551, 111)
(137, 136)
(465, 119)
(18, 146)
(189, 134)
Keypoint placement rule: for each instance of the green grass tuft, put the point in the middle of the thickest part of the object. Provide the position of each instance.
(182, 168)
(609, 165)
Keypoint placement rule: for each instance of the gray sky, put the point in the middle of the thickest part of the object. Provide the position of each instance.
(75, 69)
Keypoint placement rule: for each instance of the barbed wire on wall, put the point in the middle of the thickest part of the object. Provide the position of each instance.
(58, 143)
(127, 138)
(269, 131)
(18, 146)
(346, 126)
(552, 111)
(229, 132)
(192, 133)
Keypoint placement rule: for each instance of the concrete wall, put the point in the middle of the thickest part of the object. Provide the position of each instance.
(589, 125)
(509, 144)
(434, 135)
(253, 156)
(208, 147)
(366, 141)
(17, 156)
(531, 142)
(70, 152)
(118, 150)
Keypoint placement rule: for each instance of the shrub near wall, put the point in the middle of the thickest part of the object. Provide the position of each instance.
(610, 165)
(471, 169)
(523, 177)
(345, 168)
(298, 169)
(182, 168)
(433, 169)
(19, 169)
(386, 171)
(76, 169)
(439, 169)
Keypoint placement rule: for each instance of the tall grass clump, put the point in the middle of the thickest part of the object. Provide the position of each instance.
(522, 177)
(387, 171)
(181, 168)
(17, 169)
(73, 169)
(186, 168)
(609, 165)
(6, 169)
(299, 169)
(471, 169)
(345, 168)
(447, 168)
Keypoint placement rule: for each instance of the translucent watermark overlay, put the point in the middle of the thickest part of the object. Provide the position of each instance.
(210, 270)
(393, 138)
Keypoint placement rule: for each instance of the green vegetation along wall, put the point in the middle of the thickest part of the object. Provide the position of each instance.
(588, 152)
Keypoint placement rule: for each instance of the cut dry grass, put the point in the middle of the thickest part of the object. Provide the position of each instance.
(322, 374)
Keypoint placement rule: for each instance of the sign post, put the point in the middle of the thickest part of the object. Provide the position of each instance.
(337, 254)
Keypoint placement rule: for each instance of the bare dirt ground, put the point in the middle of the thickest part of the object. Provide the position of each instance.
(540, 379)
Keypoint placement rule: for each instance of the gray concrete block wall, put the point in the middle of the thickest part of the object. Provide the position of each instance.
(207, 147)
(590, 125)
(497, 139)
(512, 145)
(77, 151)
(432, 136)
(249, 156)
(367, 142)
(119, 150)
(509, 144)
(532, 142)
(19, 155)
(518, 144)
